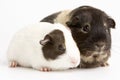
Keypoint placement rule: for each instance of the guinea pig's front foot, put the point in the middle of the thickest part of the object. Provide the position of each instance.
(104, 64)
(45, 69)
(13, 64)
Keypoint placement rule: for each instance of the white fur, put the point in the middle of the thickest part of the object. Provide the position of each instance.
(26, 50)
(63, 17)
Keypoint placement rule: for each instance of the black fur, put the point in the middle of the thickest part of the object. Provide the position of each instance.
(50, 18)
(98, 35)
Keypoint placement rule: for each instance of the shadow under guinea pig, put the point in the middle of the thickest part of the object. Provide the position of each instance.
(90, 29)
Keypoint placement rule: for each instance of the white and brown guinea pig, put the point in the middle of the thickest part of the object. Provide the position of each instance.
(91, 29)
(44, 46)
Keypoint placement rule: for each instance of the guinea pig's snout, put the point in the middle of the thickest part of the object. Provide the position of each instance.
(100, 45)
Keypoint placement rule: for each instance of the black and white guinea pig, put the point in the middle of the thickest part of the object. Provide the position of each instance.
(44, 46)
(90, 29)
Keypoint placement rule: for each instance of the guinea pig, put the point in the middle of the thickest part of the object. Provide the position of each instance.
(90, 29)
(44, 46)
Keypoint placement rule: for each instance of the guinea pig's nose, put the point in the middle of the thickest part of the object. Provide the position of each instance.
(74, 60)
(99, 44)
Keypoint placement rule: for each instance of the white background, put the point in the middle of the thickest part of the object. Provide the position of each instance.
(15, 14)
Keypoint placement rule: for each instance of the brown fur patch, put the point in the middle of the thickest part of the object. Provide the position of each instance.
(56, 46)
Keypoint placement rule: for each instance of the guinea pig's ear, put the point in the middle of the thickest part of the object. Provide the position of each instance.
(47, 39)
(73, 21)
(111, 23)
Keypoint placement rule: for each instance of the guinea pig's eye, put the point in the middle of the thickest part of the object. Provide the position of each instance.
(86, 28)
(61, 48)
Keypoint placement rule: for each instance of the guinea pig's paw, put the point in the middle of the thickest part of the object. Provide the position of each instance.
(13, 64)
(104, 64)
(45, 69)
